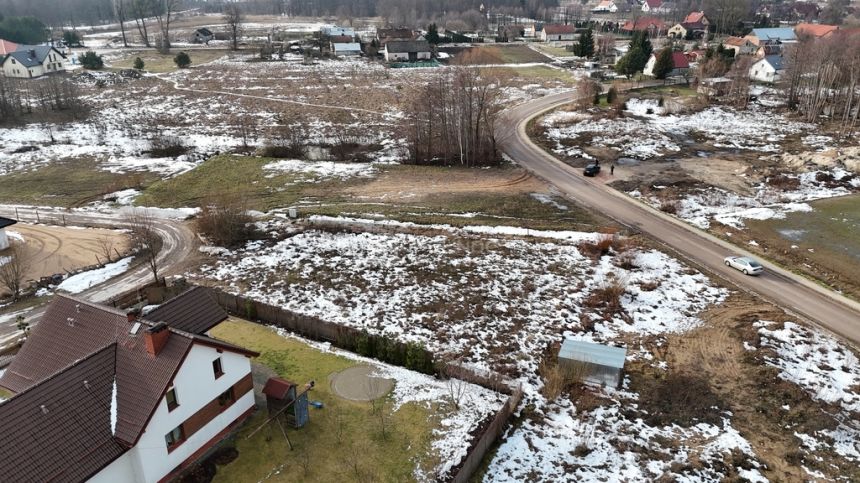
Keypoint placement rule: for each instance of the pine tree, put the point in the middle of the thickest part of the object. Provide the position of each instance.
(433, 34)
(91, 60)
(138, 63)
(612, 95)
(182, 60)
(585, 45)
(664, 64)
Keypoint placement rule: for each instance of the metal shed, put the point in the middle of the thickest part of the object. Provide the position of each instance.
(603, 364)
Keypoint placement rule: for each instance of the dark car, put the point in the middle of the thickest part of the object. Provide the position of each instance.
(592, 169)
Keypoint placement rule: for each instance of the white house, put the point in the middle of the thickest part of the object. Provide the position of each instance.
(740, 45)
(556, 32)
(31, 61)
(407, 51)
(680, 64)
(605, 6)
(4, 240)
(769, 69)
(651, 6)
(348, 49)
(102, 396)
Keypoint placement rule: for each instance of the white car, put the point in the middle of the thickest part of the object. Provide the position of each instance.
(745, 264)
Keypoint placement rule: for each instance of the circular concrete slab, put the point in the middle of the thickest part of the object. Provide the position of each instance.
(357, 384)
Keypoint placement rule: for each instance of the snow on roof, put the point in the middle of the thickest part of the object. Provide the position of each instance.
(599, 354)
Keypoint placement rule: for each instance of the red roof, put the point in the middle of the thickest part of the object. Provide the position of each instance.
(679, 60)
(277, 388)
(342, 39)
(644, 23)
(7, 47)
(654, 3)
(815, 30)
(694, 17)
(556, 29)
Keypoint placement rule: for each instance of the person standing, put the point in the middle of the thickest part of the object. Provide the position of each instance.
(612, 170)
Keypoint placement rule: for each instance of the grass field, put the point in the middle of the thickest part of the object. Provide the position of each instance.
(502, 54)
(65, 183)
(342, 442)
(161, 63)
(536, 73)
(553, 50)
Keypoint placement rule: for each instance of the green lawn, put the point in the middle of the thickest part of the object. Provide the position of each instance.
(161, 63)
(65, 183)
(342, 442)
(553, 50)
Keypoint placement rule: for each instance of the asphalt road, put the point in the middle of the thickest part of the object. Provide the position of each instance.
(178, 244)
(793, 293)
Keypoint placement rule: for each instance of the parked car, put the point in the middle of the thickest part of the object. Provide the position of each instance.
(745, 264)
(591, 170)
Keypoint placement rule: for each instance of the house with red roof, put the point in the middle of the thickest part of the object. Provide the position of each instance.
(680, 64)
(815, 30)
(558, 32)
(103, 395)
(7, 48)
(653, 25)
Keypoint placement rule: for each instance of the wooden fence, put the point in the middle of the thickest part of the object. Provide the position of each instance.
(348, 338)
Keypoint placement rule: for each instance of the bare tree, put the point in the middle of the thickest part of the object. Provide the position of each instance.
(163, 15)
(105, 246)
(14, 267)
(120, 13)
(145, 238)
(142, 9)
(234, 18)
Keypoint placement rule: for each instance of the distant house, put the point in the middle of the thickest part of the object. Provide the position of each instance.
(651, 6)
(714, 86)
(680, 64)
(768, 69)
(741, 46)
(348, 49)
(760, 37)
(31, 61)
(7, 48)
(407, 51)
(511, 32)
(605, 6)
(654, 26)
(557, 32)
(596, 364)
(383, 36)
(695, 25)
(102, 396)
(202, 36)
(330, 31)
(4, 223)
(818, 31)
(532, 30)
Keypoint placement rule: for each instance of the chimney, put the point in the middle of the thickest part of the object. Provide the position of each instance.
(156, 338)
(32, 53)
(132, 315)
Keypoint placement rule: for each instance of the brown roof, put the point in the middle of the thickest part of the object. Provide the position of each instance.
(342, 39)
(556, 29)
(403, 34)
(643, 23)
(815, 30)
(736, 41)
(60, 429)
(277, 388)
(193, 311)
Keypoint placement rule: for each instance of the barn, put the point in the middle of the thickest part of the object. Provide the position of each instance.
(602, 365)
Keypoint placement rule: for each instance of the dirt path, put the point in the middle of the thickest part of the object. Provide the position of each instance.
(55, 249)
(418, 183)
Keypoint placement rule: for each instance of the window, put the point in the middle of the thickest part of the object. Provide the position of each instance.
(174, 438)
(216, 368)
(172, 402)
(226, 398)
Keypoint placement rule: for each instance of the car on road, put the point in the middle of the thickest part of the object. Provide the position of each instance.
(745, 264)
(591, 170)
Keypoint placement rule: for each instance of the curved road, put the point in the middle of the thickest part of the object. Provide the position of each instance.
(791, 292)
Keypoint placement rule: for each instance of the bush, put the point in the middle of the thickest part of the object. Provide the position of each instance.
(670, 206)
(138, 63)
(612, 95)
(90, 60)
(166, 146)
(418, 359)
(282, 149)
(783, 182)
(607, 296)
(182, 60)
(226, 222)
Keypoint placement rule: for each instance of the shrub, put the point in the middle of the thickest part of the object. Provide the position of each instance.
(599, 248)
(282, 149)
(670, 206)
(91, 60)
(607, 296)
(612, 95)
(182, 60)
(364, 345)
(783, 182)
(226, 222)
(138, 63)
(418, 359)
(166, 146)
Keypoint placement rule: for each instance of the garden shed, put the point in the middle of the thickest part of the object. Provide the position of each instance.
(599, 364)
(282, 396)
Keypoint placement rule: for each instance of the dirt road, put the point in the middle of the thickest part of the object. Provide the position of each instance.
(791, 292)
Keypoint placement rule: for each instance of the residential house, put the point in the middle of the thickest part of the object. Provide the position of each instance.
(654, 26)
(769, 69)
(781, 35)
(202, 36)
(714, 86)
(102, 396)
(384, 35)
(605, 6)
(695, 25)
(4, 223)
(532, 31)
(330, 31)
(558, 32)
(7, 48)
(407, 51)
(816, 30)
(31, 61)
(657, 7)
(741, 46)
(600, 365)
(680, 64)
(346, 49)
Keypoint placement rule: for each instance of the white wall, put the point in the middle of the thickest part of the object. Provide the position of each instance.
(4, 241)
(195, 386)
(122, 469)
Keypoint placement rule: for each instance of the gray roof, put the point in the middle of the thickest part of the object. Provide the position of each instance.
(782, 33)
(4, 222)
(407, 46)
(24, 54)
(603, 355)
(776, 61)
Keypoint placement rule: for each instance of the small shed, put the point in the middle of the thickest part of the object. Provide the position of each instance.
(202, 36)
(602, 364)
(282, 396)
(4, 240)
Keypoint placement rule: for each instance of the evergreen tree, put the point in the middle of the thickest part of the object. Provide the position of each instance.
(664, 64)
(138, 63)
(433, 34)
(636, 58)
(23, 30)
(585, 45)
(612, 95)
(71, 38)
(90, 60)
(182, 60)
(640, 40)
